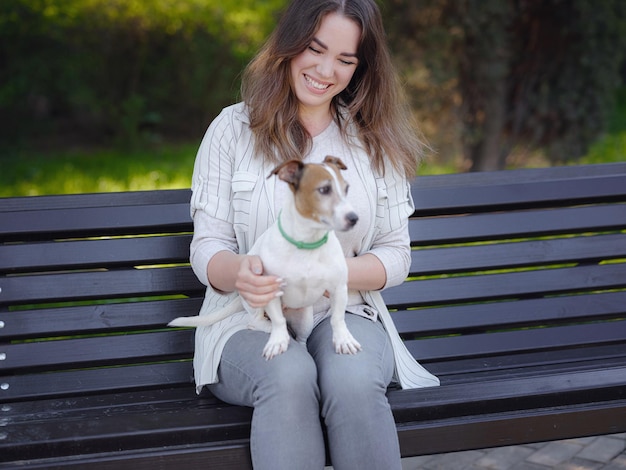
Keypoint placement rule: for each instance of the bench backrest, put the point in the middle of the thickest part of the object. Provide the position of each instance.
(506, 267)
(516, 272)
(88, 284)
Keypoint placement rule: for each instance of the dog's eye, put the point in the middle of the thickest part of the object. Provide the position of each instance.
(325, 190)
(347, 187)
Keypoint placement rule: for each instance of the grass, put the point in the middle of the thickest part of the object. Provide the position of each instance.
(108, 170)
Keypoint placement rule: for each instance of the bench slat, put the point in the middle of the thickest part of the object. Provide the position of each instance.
(517, 255)
(85, 254)
(95, 318)
(99, 285)
(94, 221)
(520, 176)
(510, 342)
(150, 346)
(502, 286)
(89, 381)
(115, 199)
(522, 224)
(515, 314)
(514, 190)
(530, 364)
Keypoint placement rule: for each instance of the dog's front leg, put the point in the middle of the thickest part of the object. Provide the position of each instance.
(343, 340)
(279, 335)
(258, 321)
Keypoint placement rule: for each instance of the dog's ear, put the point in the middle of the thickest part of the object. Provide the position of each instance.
(335, 161)
(289, 172)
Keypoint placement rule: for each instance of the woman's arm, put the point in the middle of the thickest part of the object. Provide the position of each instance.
(366, 272)
(387, 261)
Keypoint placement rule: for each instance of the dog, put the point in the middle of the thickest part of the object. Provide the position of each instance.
(301, 248)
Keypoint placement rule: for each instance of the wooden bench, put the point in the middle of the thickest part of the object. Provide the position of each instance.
(516, 300)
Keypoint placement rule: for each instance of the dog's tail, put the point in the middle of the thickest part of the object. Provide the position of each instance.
(208, 320)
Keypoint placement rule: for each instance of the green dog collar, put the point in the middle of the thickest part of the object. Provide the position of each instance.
(302, 245)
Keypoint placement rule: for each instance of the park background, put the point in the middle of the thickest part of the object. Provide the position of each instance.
(115, 95)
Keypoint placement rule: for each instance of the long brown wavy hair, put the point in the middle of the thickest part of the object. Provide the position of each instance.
(373, 99)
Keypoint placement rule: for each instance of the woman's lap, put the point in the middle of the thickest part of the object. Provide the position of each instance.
(289, 391)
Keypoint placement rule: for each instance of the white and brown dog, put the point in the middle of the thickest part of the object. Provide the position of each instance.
(302, 249)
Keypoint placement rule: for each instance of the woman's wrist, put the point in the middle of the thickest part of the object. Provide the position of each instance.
(223, 269)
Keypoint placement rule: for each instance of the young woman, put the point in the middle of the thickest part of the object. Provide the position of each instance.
(323, 84)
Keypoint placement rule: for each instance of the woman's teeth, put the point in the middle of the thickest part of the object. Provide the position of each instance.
(314, 84)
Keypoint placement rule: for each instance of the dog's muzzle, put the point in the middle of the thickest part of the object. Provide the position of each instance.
(351, 220)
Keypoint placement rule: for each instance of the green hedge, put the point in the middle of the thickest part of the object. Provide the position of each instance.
(130, 71)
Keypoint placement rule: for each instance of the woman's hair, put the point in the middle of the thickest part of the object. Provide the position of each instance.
(373, 98)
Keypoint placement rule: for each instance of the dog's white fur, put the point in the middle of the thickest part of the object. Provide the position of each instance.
(319, 206)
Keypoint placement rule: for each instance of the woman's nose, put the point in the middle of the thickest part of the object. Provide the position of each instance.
(325, 68)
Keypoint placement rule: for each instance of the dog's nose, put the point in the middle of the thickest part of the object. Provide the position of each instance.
(351, 219)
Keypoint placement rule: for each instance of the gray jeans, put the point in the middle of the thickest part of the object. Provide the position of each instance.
(290, 391)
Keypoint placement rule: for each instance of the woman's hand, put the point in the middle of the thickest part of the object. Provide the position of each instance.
(228, 271)
(256, 288)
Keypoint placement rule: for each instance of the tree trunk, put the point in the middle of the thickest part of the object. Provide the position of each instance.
(487, 154)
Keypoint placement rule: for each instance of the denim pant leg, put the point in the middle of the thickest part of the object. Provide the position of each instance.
(361, 430)
(286, 428)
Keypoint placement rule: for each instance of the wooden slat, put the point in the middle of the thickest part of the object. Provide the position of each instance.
(508, 225)
(520, 175)
(517, 255)
(68, 201)
(506, 190)
(511, 314)
(127, 316)
(502, 286)
(514, 394)
(529, 364)
(518, 341)
(85, 254)
(79, 383)
(512, 428)
(98, 350)
(96, 221)
(81, 285)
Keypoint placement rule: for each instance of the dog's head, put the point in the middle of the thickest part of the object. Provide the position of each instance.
(320, 191)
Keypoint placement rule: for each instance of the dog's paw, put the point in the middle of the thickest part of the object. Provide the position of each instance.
(345, 343)
(277, 344)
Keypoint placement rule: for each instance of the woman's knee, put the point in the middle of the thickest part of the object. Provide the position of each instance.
(290, 376)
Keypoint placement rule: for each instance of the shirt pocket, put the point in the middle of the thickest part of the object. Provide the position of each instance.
(243, 186)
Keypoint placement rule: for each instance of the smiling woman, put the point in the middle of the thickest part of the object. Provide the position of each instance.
(323, 85)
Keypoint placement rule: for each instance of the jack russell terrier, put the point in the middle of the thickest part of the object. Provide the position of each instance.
(302, 249)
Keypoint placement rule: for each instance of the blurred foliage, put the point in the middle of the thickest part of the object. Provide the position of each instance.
(122, 71)
(488, 79)
(513, 75)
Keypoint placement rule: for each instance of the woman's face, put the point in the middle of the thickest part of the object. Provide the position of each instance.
(324, 69)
